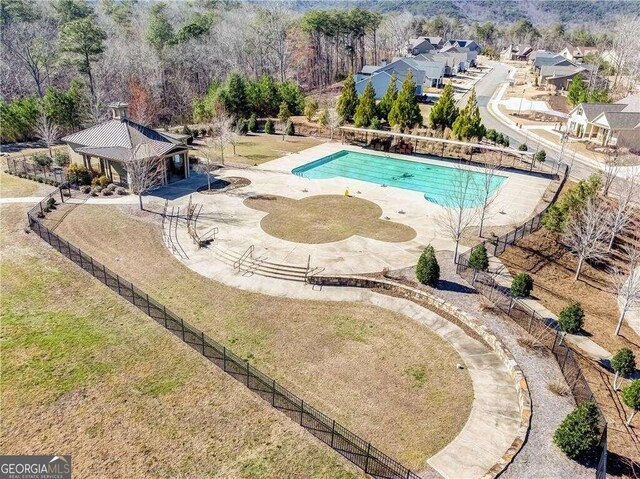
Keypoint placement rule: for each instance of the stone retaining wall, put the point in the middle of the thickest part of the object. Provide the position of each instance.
(519, 380)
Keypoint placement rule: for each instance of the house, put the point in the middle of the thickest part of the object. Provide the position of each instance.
(470, 44)
(608, 124)
(465, 57)
(577, 54)
(559, 76)
(426, 73)
(419, 45)
(380, 82)
(516, 52)
(542, 58)
(108, 147)
(437, 42)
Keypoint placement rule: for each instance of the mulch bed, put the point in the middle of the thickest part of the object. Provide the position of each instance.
(222, 185)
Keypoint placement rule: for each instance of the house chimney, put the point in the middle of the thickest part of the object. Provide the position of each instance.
(119, 110)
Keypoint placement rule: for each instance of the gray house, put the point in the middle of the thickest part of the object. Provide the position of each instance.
(544, 58)
(380, 82)
(419, 45)
(426, 73)
(470, 44)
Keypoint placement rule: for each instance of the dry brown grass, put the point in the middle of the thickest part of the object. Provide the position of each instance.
(255, 149)
(326, 218)
(14, 187)
(352, 361)
(85, 373)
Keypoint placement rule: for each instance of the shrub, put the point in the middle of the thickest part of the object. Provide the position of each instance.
(107, 192)
(194, 133)
(85, 189)
(631, 397)
(51, 202)
(289, 129)
(375, 123)
(252, 124)
(121, 191)
(111, 187)
(579, 434)
(571, 318)
(479, 259)
(323, 119)
(540, 156)
(40, 180)
(100, 181)
(203, 132)
(521, 285)
(42, 160)
(310, 108)
(523, 147)
(428, 269)
(97, 189)
(61, 158)
(94, 192)
(268, 127)
(243, 128)
(78, 174)
(186, 130)
(624, 362)
(491, 135)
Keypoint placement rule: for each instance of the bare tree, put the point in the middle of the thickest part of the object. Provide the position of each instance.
(626, 286)
(333, 120)
(487, 187)
(234, 137)
(221, 132)
(458, 215)
(144, 171)
(47, 131)
(610, 171)
(623, 210)
(207, 165)
(587, 232)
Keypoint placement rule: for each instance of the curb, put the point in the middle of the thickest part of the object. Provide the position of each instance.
(517, 376)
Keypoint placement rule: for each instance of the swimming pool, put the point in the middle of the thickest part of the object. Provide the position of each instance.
(439, 184)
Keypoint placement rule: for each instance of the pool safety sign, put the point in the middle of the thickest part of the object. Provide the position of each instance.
(35, 467)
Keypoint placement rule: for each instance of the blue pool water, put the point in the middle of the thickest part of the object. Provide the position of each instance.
(440, 184)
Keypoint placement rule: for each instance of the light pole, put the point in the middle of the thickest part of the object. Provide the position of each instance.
(563, 142)
(521, 98)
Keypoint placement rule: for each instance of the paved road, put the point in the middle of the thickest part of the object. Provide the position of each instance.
(485, 89)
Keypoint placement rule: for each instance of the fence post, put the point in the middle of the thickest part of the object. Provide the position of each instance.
(133, 295)
(104, 271)
(118, 281)
(565, 358)
(366, 462)
(247, 363)
(61, 195)
(273, 396)
(301, 410)
(224, 359)
(333, 431)
(80, 254)
(93, 273)
(148, 306)
(164, 310)
(182, 326)
(510, 305)
(533, 312)
(555, 338)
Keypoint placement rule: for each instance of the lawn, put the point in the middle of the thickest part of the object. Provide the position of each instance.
(14, 186)
(354, 362)
(85, 373)
(255, 149)
(326, 218)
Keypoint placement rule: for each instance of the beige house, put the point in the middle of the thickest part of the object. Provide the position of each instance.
(608, 124)
(577, 53)
(106, 148)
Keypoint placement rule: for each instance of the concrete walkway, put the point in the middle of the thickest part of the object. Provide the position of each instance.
(22, 199)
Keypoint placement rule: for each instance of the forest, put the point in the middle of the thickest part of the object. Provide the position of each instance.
(63, 61)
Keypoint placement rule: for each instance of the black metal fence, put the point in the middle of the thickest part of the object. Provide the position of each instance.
(542, 329)
(21, 166)
(339, 438)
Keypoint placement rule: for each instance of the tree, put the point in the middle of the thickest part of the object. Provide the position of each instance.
(283, 115)
(521, 285)
(70, 10)
(578, 91)
(83, 40)
(389, 98)
(457, 215)
(207, 166)
(579, 432)
(47, 131)
(468, 125)
(622, 211)
(444, 111)
(310, 108)
(348, 101)
(42, 160)
(289, 129)
(478, 259)
(427, 269)
(236, 95)
(571, 318)
(486, 190)
(252, 124)
(159, 30)
(540, 156)
(222, 132)
(523, 147)
(291, 93)
(626, 287)
(269, 129)
(366, 110)
(623, 364)
(405, 112)
(631, 397)
(587, 232)
(144, 171)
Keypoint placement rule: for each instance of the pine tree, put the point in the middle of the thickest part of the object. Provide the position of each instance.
(348, 101)
(386, 103)
(578, 91)
(428, 269)
(469, 125)
(444, 111)
(366, 110)
(236, 95)
(478, 259)
(405, 112)
(253, 123)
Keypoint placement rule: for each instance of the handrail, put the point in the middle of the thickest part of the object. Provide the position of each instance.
(238, 263)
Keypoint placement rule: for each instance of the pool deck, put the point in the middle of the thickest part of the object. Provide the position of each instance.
(239, 225)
